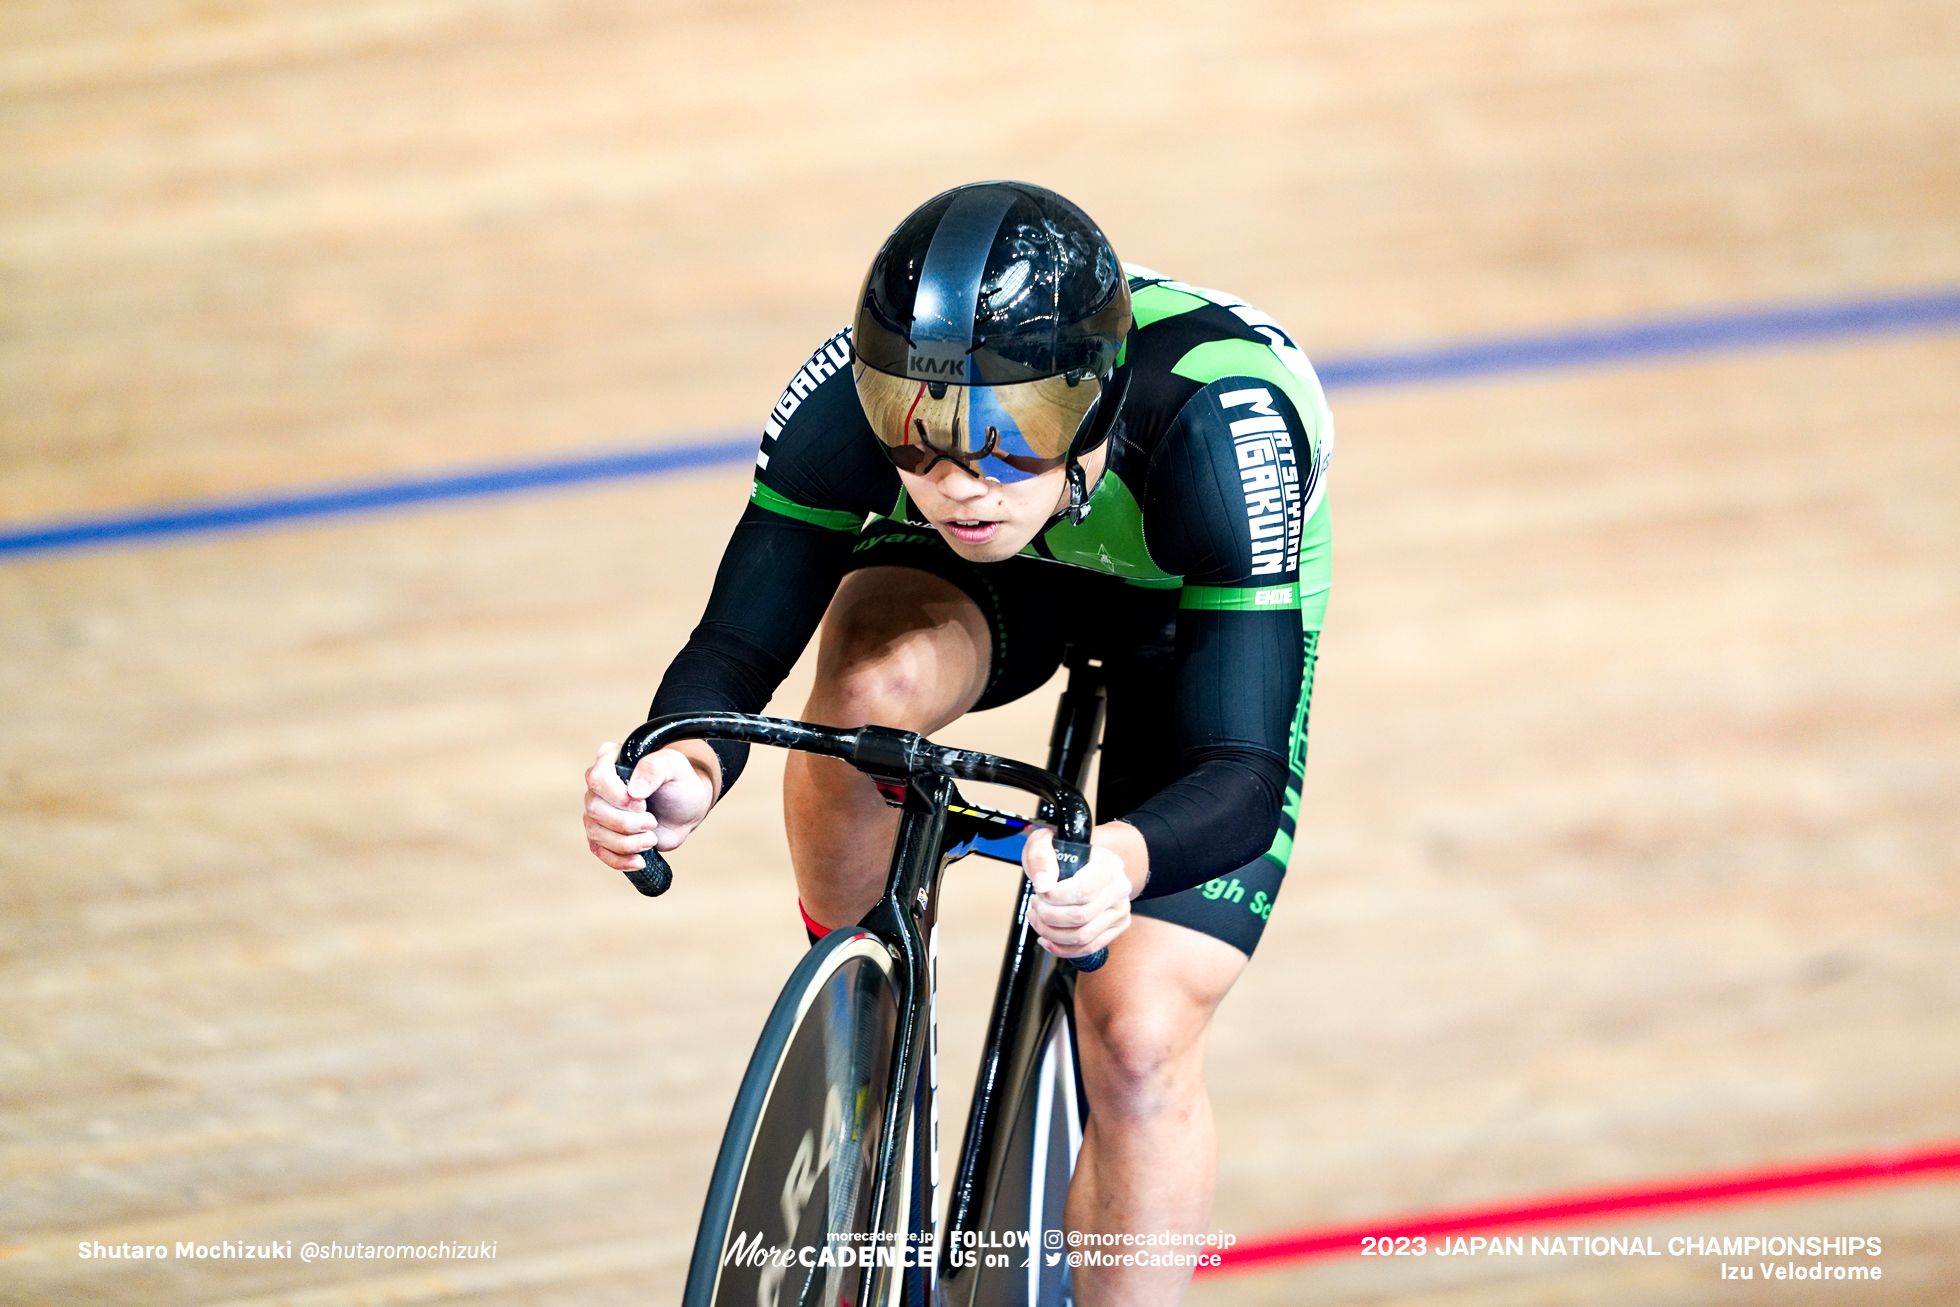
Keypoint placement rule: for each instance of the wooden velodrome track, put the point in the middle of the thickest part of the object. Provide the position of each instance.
(1630, 843)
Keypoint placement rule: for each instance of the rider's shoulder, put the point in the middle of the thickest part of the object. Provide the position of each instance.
(828, 361)
(1182, 317)
(1209, 366)
(817, 459)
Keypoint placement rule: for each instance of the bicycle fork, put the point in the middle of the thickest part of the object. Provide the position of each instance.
(908, 1152)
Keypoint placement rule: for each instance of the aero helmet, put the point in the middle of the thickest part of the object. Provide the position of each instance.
(990, 333)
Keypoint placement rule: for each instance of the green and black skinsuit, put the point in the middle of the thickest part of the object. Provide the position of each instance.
(1200, 576)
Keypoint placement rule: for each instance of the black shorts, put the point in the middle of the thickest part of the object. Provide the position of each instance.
(1035, 609)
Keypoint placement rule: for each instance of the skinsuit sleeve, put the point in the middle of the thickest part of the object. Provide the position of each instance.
(818, 475)
(1229, 489)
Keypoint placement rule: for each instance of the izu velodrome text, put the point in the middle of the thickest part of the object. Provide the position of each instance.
(1622, 1246)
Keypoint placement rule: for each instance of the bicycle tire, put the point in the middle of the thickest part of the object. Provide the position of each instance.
(1022, 1215)
(796, 1166)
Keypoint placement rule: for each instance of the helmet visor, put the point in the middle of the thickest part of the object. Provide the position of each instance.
(1002, 433)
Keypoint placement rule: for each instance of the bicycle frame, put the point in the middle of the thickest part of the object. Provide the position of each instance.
(918, 776)
(1027, 974)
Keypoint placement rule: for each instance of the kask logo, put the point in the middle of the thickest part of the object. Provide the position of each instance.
(927, 366)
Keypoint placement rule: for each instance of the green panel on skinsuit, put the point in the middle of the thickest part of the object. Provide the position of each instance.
(1110, 539)
(828, 518)
(1217, 359)
(1240, 598)
(1155, 303)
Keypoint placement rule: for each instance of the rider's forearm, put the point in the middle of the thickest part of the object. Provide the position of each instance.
(1219, 816)
(705, 761)
(719, 671)
(775, 579)
(1237, 692)
(1127, 843)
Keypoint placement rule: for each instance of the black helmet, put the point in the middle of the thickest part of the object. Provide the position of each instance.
(997, 285)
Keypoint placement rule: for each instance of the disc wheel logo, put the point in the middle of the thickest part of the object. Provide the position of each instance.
(781, 1248)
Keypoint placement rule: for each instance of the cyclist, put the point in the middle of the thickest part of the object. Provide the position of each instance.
(1017, 445)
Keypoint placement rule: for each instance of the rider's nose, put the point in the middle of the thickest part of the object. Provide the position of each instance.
(957, 483)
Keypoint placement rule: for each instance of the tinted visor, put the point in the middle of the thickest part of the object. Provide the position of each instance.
(1005, 433)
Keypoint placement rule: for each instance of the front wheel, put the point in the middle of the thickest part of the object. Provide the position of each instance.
(797, 1161)
(1019, 1259)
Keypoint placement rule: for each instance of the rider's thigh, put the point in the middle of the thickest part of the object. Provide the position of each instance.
(1142, 1018)
(899, 647)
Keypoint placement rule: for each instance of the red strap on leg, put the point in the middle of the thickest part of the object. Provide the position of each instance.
(810, 923)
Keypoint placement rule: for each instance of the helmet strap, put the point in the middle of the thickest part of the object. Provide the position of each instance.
(1078, 494)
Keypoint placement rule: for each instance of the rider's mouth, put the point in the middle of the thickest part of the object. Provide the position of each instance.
(972, 531)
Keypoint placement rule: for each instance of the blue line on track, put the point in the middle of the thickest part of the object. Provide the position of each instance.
(1624, 343)
(229, 515)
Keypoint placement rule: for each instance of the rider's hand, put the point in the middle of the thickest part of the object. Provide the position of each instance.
(668, 796)
(1077, 916)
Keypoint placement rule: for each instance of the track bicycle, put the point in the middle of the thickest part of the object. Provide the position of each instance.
(824, 1190)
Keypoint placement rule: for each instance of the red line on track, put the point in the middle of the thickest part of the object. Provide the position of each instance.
(1700, 1191)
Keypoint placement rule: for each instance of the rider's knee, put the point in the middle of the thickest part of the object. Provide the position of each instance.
(899, 649)
(876, 682)
(1142, 1062)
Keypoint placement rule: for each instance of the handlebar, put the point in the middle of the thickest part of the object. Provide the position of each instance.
(877, 751)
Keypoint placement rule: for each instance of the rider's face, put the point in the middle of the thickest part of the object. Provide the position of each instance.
(983, 520)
